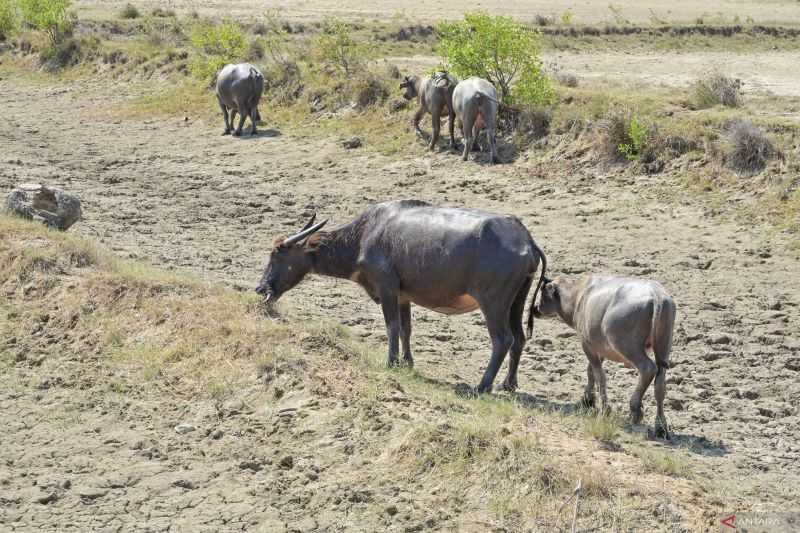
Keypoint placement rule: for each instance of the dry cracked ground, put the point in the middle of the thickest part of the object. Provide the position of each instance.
(175, 193)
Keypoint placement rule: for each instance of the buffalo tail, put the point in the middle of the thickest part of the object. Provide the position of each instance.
(536, 291)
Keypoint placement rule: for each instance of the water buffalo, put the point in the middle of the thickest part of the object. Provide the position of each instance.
(435, 96)
(239, 88)
(475, 104)
(619, 319)
(448, 260)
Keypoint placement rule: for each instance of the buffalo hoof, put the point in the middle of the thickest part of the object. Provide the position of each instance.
(237, 133)
(636, 415)
(408, 362)
(587, 401)
(661, 430)
(226, 132)
(393, 363)
(253, 133)
(509, 386)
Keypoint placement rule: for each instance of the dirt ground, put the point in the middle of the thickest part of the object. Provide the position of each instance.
(591, 11)
(175, 193)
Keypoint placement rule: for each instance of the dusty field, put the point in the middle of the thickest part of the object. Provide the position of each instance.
(177, 194)
(584, 12)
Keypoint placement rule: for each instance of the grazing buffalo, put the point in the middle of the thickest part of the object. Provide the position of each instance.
(475, 104)
(435, 96)
(448, 260)
(618, 319)
(239, 89)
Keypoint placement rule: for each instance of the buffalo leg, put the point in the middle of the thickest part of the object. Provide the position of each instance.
(661, 427)
(466, 131)
(600, 380)
(391, 314)
(253, 120)
(436, 122)
(451, 126)
(647, 371)
(476, 134)
(515, 321)
(588, 392)
(502, 339)
(242, 118)
(405, 333)
(417, 118)
(225, 117)
(233, 117)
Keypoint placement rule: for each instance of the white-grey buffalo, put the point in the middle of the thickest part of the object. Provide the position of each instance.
(435, 96)
(448, 260)
(475, 104)
(239, 89)
(619, 319)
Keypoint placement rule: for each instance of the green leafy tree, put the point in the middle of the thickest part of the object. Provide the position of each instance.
(49, 16)
(8, 19)
(216, 46)
(335, 46)
(500, 50)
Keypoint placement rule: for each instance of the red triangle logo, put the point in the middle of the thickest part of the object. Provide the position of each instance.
(729, 521)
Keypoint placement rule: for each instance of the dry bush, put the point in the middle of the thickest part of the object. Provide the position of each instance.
(530, 124)
(368, 90)
(567, 79)
(750, 148)
(283, 82)
(625, 136)
(162, 12)
(255, 50)
(716, 89)
(130, 11)
(544, 20)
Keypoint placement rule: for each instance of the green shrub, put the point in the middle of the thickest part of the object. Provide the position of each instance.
(217, 45)
(336, 47)
(500, 50)
(130, 11)
(9, 21)
(49, 16)
(626, 136)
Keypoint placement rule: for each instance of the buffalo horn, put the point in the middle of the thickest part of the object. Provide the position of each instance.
(303, 234)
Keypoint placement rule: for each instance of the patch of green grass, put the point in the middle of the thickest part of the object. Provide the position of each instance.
(603, 427)
(665, 462)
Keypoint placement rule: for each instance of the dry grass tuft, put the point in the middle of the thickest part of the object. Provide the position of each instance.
(750, 148)
(716, 89)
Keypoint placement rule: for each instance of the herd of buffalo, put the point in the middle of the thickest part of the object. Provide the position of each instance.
(455, 260)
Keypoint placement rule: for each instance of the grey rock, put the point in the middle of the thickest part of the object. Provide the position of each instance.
(53, 207)
(184, 428)
(353, 142)
(719, 338)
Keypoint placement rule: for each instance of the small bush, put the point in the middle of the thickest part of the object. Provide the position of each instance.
(163, 13)
(336, 47)
(543, 20)
(130, 11)
(750, 148)
(502, 51)
(68, 52)
(9, 22)
(161, 31)
(49, 16)
(567, 17)
(216, 45)
(716, 89)
(626, 136)
(531, 124)
(567, 79)
(368, 90)
(256, 50)
(283, 82)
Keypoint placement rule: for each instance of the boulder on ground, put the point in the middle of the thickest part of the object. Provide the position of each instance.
(53, 207)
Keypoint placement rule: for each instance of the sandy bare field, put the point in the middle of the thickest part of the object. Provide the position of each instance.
(175, 193)
(591, 11)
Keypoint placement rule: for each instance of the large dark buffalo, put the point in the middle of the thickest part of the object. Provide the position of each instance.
(449, 260)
